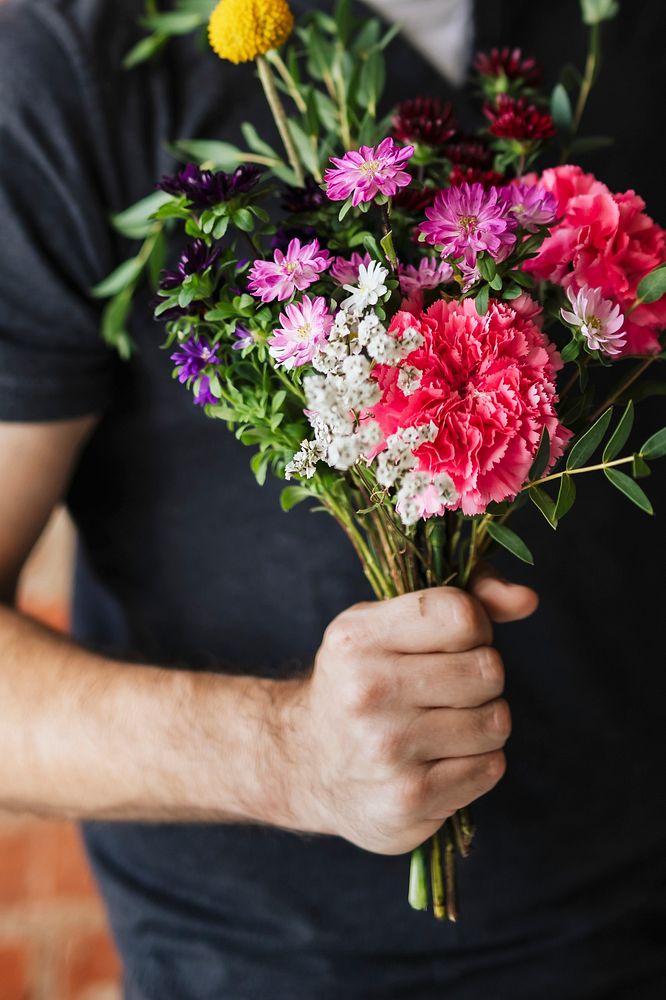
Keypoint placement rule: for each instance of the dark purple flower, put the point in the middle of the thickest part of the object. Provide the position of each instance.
(303, 199)
(469, 151)
(203, 396)
(195, 259)
(205, 188)
(244, 338)
(192, 357)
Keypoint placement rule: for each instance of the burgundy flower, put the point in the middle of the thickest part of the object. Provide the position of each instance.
(303, 199)
(474, 175)
(413, 200)
(195, 259)
(508, 63)
(205, 188)
(428, 120)
(512, 118)
(469, 152)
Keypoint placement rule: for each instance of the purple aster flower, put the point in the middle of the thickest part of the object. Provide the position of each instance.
(205, 188)
(308, 198)
(192, 357)
(203, 396)
(468, 220)
(363, 173)
(532, 205)
(195, 259)
(305, 325)
(244, 338)
(287, 272)
(429, 274)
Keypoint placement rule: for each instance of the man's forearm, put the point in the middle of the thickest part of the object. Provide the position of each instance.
(84, 736)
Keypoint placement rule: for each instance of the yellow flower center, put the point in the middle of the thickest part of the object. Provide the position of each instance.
(303, 332)
(468, 223)
(241, 30)
(289, 266)
(370, 167)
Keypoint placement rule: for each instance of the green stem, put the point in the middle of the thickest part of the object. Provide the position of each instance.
(576, 472)
(276, 59)
(437, 878)
(277, 109)
(417, 895)
(589, 76)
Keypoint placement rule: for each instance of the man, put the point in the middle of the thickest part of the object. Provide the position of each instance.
(247, 822)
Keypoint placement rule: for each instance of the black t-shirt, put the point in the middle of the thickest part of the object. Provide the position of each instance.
(185, 561)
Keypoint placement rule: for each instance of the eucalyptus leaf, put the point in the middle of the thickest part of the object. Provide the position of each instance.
(589, 441)
(653, 285)
(223, 155)
(655, 446)
(544, 503)
(541, 458)
(565, 497)
(625, 484)
(144, 49)
(121, 277)
(560, 107)
(618, 438)
(509, 540)
(481, 300)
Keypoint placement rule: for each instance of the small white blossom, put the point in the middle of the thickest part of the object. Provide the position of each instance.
(369, 288)
(422, 495)
(409, 379)
(304, 462)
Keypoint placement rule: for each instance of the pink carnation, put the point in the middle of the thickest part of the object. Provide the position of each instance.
(362, 174)
(305, 325)
(288, 272)
(603, 241)
(488, 385)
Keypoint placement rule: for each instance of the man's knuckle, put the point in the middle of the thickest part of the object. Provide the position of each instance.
(343, 633)
(494, 766)
(466, 615)
(365, 692)
(491, 667)
(407, 795)
(501, 718)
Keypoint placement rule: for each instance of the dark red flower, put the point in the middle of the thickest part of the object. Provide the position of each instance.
(414, 201)
(469, 152)
(509, 63)
(428, 120)
(474, 175)
(512, 118)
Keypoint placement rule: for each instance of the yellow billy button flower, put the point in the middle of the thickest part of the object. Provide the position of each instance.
(241, 30)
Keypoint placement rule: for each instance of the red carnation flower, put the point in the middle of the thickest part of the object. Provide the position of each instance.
(428, 120)
(509, 63)
(512, 118)
(469, 152)
(474, 175)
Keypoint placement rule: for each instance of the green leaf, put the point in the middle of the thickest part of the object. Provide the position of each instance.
(653, 285)
(242, 218)
(589, 441)
(644, 390)
(565, 497)
(481, 300)
(114, 320)
(256, 143)
(509, 540)
(570, 351)
(545, 504)
(632, 490)
(596, 11)
(136, 221)
(174, 23)
(223, 155)
(144, 49)
(345, 208)
(639, 468)
(619, 436)
(560, 107)
(304, 147)
(655, 446)
(487, 268)
(371, 85)
(512, 292)
(291, 495)
(123, 276)
(541, 458)
(344, 20)
(157, 258)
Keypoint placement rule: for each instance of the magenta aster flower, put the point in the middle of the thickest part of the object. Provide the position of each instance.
(532, 205)
(344, 271)
(192, 357)
(467, 220)
(361, 174)
(288, 272)
(429, 274)
(304, 326)
(598, 319)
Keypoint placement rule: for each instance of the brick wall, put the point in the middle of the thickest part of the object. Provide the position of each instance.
(54, 943)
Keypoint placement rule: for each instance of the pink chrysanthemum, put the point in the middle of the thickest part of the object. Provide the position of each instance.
(304, 326)
(467, 220)
(488, 385)
(605, 241)
(288, 272)
(532, 205)
(344, 271)
(599, 321)
(429, 274)
(361, 174)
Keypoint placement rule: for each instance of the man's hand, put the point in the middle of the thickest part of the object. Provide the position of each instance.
(402, 721)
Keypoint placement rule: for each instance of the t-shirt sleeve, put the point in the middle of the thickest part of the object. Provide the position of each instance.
(55, 238)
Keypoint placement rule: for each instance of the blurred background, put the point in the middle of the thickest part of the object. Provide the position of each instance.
(54, 942)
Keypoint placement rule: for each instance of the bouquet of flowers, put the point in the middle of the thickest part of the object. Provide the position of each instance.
(404, 320)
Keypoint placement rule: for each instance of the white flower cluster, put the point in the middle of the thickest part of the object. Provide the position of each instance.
(422, 495)
(397, 458)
